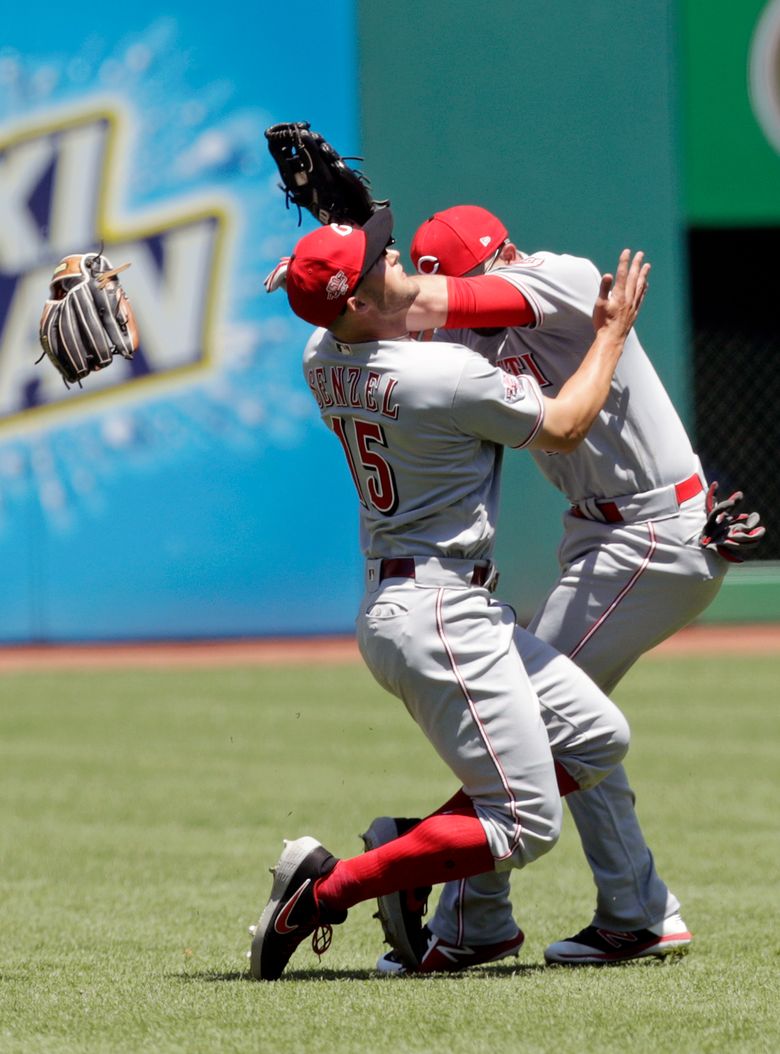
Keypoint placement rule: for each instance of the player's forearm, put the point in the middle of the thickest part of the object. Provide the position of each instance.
(569, 416)
(455, 303)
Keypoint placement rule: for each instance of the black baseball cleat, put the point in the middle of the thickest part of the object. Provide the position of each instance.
(401, 914)
(292, 913)
(595, 944)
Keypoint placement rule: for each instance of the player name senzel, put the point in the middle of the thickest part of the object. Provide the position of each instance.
(353, 386)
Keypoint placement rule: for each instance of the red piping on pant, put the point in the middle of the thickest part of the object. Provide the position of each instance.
(623, 592)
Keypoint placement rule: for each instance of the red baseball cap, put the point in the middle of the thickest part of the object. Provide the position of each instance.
(456, 240)
(328, 264)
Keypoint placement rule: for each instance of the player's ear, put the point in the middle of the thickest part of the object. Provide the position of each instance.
(509, 253)
(361, 303)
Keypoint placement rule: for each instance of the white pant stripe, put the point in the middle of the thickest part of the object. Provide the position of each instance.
(478, 722)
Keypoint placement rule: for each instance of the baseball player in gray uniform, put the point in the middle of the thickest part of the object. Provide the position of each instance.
(634, 569)
(422, 429)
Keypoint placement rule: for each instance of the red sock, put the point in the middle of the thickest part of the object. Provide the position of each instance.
(439, 848)
(566, 783)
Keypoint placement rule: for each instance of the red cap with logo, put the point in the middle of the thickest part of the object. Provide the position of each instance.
(457, 240)
(330, 262)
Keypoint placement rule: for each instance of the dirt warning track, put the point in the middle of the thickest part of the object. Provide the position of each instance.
(754, 639)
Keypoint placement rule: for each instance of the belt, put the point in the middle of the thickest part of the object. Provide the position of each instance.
(654, 503)
(404, 567)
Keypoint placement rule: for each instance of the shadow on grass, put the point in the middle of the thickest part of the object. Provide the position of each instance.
(488, 973)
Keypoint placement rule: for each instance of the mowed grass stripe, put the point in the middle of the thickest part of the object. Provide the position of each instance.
(141, 810)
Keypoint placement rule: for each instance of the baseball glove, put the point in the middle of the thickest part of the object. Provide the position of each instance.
(733, 536)
(88, 318)
(315, 177)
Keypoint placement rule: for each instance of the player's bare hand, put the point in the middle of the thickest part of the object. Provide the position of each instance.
(621, 295)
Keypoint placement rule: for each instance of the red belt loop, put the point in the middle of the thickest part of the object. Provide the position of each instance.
(689, 488)
(480, 575)
(610, 511)
(402, 567)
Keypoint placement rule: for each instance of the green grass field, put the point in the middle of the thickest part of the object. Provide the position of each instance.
(140, 812)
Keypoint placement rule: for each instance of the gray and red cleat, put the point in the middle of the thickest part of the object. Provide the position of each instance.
(292, 913)
(441, 957)
(414, 948)
(595, 944)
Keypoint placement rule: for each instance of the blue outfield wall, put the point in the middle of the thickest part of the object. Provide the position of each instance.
(193, 493)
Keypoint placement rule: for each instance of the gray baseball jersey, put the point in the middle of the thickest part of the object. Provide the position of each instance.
(637, 443)
(632, 572)
(422, 429)
(395, 407)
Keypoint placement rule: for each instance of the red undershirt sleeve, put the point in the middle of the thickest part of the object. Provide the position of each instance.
(486, 300)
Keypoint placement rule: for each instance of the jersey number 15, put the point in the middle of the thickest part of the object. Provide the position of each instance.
(371, 473)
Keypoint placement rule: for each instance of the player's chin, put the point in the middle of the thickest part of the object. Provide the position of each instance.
(407, 296)
(400, 310)
(395, 302)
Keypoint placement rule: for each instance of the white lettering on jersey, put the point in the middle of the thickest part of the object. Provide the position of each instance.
(360, 389)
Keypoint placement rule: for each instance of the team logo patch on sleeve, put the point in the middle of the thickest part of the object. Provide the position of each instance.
(514, 390)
